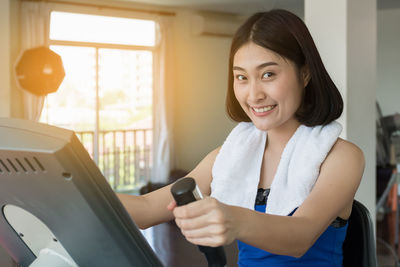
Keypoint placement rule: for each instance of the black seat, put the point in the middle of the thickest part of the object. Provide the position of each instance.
(359, 247)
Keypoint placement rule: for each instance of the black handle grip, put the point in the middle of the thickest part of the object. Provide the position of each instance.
(185, 191)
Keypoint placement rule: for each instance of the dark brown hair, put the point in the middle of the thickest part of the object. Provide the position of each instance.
(287, 35)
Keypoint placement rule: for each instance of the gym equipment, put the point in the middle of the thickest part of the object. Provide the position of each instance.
(184, 192)
(57, 208)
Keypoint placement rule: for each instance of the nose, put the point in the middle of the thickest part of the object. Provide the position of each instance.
(256, 92)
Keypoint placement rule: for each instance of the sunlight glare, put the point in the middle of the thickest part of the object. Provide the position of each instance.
(101, 29)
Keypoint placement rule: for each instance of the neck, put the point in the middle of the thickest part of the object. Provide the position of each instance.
(279, 137)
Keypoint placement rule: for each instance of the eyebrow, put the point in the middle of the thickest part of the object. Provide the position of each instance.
(263, 65)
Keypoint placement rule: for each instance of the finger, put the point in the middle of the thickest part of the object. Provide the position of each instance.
(215, 231)
(196, 208)
(193, 223)
(199, 234)
(171, 206)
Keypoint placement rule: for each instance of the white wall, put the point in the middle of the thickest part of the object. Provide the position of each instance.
(361, 91)
(5, 58)
(201, 78)
(388, 61)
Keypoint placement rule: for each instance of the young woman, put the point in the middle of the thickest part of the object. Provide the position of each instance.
(283, 182)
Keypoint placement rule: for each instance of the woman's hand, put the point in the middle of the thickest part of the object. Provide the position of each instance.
(206, 222)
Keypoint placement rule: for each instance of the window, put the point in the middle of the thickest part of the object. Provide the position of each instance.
(106, 95)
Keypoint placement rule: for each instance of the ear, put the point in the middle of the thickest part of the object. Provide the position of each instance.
(305, 75)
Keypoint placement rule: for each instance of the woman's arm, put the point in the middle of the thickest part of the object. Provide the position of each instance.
(151, 209)
(211, 223)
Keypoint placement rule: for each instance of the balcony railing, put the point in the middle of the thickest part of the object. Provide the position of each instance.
(124, 156)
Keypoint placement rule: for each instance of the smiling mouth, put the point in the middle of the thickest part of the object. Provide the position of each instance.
(263, 109)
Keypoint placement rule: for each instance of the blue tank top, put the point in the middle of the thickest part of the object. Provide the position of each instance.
(326, 251)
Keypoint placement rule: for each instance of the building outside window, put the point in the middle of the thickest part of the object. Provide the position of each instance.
(106, 96)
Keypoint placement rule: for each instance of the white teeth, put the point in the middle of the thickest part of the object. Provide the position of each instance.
(264, 109)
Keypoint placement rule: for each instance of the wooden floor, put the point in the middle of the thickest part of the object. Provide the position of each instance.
(175, 251)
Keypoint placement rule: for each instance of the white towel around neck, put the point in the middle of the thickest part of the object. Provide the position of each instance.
(237, 167)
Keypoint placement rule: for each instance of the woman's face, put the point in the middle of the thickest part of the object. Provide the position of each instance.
(267, 86)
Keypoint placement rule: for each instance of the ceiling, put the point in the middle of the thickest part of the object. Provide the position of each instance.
(246, 7)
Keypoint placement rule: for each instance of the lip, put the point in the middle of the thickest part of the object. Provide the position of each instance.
(262, 114)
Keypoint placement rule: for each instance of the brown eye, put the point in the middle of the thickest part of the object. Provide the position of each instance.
(241, 77)
(267, 75)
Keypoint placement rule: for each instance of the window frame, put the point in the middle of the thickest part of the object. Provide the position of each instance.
(155, 50)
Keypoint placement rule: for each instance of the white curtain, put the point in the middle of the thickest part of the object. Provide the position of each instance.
(35, 18)
(163, 86)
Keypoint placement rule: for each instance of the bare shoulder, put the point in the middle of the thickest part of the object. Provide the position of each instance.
(347, 154)
(344, 165)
